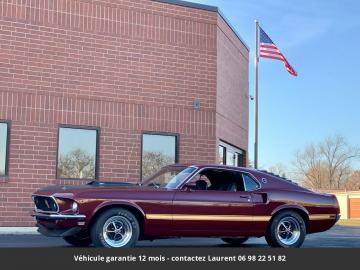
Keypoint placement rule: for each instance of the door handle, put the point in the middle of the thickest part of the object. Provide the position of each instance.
(247, 197)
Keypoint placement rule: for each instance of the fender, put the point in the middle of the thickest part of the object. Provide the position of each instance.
(116, 203)
(289, 206)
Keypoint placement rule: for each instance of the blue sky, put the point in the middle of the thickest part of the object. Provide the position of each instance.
(71, 139)
(320, 39)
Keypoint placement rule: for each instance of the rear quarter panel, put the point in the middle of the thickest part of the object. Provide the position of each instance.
(319, 209)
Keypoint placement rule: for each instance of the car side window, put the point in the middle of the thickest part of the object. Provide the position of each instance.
(218, 180)
(201, 182)
(249, 183)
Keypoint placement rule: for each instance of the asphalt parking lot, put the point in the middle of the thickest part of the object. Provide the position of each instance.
(338, 236)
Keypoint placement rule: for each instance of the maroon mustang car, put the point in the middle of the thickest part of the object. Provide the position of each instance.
(185, 201)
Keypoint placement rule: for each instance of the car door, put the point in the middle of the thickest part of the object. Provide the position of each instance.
(212, 212)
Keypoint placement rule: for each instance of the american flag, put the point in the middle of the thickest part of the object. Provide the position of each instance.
(268, 49)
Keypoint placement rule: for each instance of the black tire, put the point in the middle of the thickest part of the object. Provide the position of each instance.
(235, 241)
(287, 230)
(78, 240)
(124, 220)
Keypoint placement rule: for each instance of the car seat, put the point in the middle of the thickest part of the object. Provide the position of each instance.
(200, 185)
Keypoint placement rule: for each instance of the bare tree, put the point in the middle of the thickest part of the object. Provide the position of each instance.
(77, 164)
(353, 183)
(326, 165)
(153, 161)
(279, 169)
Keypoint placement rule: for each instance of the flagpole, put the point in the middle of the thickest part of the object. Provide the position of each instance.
(256, 109)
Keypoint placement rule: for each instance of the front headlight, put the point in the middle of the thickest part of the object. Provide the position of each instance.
(74, 206)
(67, 205)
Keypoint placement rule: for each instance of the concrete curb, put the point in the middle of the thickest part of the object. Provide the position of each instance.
(18, 231)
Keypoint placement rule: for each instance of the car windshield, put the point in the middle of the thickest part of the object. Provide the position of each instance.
(169, 177)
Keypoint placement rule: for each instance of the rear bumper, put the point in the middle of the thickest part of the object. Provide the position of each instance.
(338, 216)
(322, 222)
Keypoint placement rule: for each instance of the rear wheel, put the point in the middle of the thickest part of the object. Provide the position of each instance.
(238, 241)
(78, 240)
(287, 230)
(115, 228)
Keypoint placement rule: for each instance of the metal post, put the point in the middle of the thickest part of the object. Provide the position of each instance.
(256, 93)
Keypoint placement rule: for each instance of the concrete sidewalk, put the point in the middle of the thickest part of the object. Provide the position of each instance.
(18, 231)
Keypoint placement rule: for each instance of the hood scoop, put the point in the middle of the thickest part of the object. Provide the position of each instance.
(110, 184)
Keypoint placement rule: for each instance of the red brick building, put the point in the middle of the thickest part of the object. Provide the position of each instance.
(109, 89)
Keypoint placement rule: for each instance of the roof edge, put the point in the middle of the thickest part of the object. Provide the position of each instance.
(208, 8)
(189, 4)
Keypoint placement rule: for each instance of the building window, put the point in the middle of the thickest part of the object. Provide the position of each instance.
(222, 155)
(240, 159)
(158, 150)
(77, 153)
(230, 158)
(4, 147)
(231, 155)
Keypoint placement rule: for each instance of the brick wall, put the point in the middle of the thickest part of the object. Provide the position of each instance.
(232, 107)
(122, 66)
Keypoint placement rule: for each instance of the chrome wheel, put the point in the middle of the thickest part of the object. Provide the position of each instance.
(288, 230)
(117, 231)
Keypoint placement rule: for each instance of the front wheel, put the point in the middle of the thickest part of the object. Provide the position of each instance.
(115, 228)
(287, 230)
(238, 241)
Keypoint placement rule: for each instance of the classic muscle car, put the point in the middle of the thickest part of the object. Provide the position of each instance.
(231, 203)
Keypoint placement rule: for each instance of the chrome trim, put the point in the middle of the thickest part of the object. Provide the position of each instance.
(290, 233)
(42, 211)
(57, 216)
(117, 236)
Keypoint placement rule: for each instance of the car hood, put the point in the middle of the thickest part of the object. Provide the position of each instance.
(89, 186)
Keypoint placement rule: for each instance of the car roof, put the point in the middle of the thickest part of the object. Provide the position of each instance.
(214, 166)
(252, 171)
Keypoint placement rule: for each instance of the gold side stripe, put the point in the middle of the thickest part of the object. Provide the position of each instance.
(184, 217)
(159, 216)
(207, 217)
(321, 217)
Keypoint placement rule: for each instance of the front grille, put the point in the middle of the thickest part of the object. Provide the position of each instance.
(46, 204)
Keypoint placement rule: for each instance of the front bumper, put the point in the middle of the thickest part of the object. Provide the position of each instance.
(57, 232)
(56, 216)
(59, 225)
